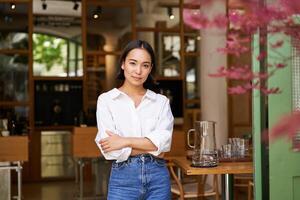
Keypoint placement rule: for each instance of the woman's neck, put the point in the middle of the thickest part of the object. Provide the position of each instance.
(132, 91)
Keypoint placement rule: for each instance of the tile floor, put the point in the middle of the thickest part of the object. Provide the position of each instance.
(55, 190)
(69, 190)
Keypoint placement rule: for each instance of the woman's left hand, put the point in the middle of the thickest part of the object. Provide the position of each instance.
(112, 142)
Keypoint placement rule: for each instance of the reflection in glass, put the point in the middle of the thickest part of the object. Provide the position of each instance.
(169, 55)
(173, 90)
(14, 26)
(95, 77)
(191, 42)
(16, 119)
(13, 77)
(13, 40)
(191, 77)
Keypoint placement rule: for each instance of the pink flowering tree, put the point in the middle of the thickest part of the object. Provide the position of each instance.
(279, 17)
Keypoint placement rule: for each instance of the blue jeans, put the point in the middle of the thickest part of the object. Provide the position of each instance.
(141, 177)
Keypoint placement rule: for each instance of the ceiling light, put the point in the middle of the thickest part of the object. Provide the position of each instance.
(97, 12)
(44, 5)
(95, 16)
(170, 13)
(76, 5)
(12, 6)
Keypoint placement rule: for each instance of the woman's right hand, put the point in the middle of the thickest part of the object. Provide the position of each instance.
(113, 142)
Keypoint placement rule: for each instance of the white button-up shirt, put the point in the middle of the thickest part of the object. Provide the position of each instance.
(152, 119)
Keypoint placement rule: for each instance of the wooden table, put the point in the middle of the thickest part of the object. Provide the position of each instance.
(14, 149)
(226, 169)
(84, 149)
(83, 142)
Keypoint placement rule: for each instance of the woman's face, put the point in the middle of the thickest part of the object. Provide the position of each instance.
(137, 66)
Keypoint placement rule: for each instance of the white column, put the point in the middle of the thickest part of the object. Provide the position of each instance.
(213, 91)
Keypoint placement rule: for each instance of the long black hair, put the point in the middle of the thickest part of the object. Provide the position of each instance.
(134, 44)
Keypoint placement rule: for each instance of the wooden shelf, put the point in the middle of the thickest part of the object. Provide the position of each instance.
(165, 78)
(192, 54)
(54, 78)
(14, 51)
(157, 29)
(103, 3)
(177, 5)
(14, 103)
(102, 53)
(54, 127)
(192, 101)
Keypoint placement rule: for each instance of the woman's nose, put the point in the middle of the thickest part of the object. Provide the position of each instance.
(138, 69)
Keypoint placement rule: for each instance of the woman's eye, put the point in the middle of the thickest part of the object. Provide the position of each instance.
(132, 63)
(146, 66)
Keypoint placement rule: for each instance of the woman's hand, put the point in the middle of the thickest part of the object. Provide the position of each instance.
(113, 142)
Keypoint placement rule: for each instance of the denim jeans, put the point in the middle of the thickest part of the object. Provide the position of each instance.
(141, 177)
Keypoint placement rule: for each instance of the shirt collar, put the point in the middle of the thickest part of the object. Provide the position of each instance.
(150, 95)
(116, 93)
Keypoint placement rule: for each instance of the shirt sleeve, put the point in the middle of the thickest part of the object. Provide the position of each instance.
(161, 136)
(105, 122)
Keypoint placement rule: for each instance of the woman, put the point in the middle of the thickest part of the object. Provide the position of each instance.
(135, 129)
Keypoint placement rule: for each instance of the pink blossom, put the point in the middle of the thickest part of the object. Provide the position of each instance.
(261, 56)
(236, 73)
(277, 44)
(195, 19)
(280, 65)
(290, 6)
(287, 125)
(221, 72)
(246, 24)
(234, 17)
(250, 85)
(267, 91)
(263, 75)
(220, 21)
(234, 45)
(237, 90)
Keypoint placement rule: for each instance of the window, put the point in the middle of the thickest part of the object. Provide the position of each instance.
(55, 56)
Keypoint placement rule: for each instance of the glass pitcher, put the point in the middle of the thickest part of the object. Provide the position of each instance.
(205, 152)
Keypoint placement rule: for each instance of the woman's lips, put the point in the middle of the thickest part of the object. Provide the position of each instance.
(136, 78)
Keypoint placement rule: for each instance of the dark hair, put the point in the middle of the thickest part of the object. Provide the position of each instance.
(134, 44)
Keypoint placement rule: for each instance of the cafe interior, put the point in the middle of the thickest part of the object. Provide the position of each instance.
(58, 56)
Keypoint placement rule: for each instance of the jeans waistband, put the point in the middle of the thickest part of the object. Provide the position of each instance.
(144, 157)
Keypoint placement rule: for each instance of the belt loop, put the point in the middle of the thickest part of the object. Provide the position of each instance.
(152, 157)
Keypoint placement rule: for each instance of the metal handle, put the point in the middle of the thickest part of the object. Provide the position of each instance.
(188, 138)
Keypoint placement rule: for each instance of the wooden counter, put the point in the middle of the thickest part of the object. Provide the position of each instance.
(222, 168)
(83, 142)
(13, 148)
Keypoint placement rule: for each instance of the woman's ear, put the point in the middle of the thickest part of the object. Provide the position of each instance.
(122, 66)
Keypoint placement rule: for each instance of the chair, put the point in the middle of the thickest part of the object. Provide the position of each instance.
(242, 181)
(193, 188)
(186, 187)
(250, 190)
